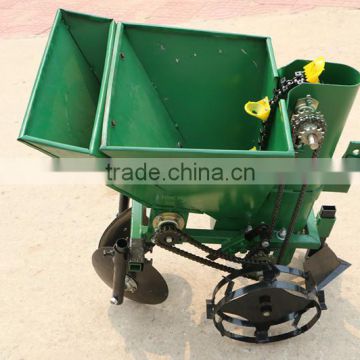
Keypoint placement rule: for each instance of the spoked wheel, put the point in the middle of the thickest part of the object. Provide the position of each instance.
(263, 305)
(147, 286)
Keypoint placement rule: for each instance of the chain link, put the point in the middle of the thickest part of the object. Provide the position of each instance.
(280, 93)
(158, 239)
(286, 85)
(195, 258)
(294, 217)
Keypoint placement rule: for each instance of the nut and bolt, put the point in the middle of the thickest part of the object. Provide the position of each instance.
(168, 217)
(130, 284)
(312, 141)
(266, 313)
(265, 243)
(282, 233)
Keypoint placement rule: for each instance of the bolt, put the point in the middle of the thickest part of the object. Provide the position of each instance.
(266, 307)
(265, 244)
(248, 228)
(109, 252)
(312, 141)
(130, 284)
(113, 123)
(169, 239)
(356, 152)
(114, 301)
(122, 56)
(282, 233)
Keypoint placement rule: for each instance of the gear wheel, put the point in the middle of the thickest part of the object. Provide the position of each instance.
(169, 233)
(308, 125)
(255, 270)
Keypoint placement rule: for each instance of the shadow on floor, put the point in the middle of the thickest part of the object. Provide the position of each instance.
(165, 329)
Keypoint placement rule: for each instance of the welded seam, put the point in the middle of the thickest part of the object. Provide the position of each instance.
(81, 52)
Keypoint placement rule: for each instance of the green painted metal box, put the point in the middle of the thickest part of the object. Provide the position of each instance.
(65, 112)
(178, 92)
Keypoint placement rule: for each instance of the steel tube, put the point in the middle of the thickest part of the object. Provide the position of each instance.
(120, 259)
(123, 203)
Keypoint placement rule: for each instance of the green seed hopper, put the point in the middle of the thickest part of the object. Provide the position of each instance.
(128, 91)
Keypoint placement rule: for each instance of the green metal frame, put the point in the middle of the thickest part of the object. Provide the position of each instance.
(232, 242)
(137, 227)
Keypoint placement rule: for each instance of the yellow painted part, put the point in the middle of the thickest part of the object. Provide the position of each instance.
(260, 109)
(253, 148)
(313, 69)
